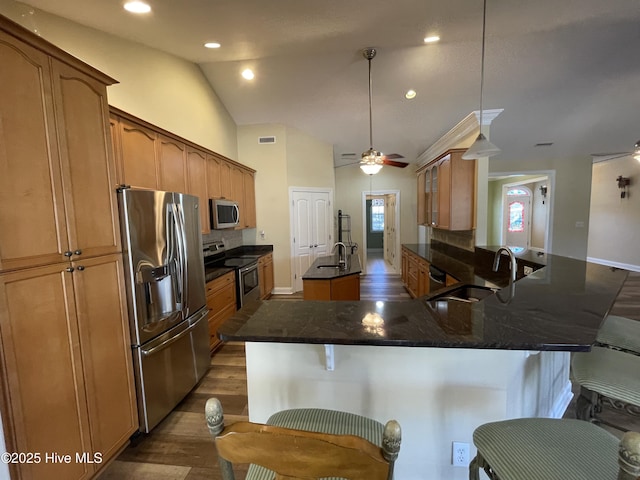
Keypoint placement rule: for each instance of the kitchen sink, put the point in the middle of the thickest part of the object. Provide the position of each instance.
(466, 293)
(332, 266)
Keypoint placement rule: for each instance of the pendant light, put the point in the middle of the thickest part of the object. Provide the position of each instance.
(482, 147)
(372, 160)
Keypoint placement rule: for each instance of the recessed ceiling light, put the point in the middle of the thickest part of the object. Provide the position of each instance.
(410, 94)
(212, 45)
(432, 39)
(248, 74)
(137, 7)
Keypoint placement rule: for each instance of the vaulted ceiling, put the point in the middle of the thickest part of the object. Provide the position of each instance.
(565, 72)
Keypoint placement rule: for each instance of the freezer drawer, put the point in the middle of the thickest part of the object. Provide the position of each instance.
(168, 367)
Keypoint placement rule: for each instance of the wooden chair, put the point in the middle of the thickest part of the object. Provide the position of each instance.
(553, 449)
(306, 444)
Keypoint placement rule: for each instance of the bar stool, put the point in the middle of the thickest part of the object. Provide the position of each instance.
(306, 443)
(606, 376)
(620, 333)
(553, 449)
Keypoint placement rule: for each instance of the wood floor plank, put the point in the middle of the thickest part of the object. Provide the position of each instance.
(122, 470)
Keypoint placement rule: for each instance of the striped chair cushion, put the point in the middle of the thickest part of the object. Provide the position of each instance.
(620, 332)
(548, 449)
(611, 373)
(320, 420)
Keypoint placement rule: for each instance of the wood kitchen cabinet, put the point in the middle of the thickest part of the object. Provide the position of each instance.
(136, 156)
(265, 275)
(73, 391)
(422, 199)
(172, 165)
(249, 200)
(57, 176)
(197, 184)
(450, 191)
(415, 273)
(221, 302)
(151, 158)
(66, 370)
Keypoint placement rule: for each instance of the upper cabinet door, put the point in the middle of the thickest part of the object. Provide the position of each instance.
(197, 184)
(171, 165)
(88, 168)
(225, 181)
(213, 177)
(249, 200)
(32, 228)
(138, 148)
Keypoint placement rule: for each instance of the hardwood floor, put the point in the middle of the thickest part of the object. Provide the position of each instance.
(181, 448)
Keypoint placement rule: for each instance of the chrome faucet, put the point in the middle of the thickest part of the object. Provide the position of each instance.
(342, 259)
(512, 259)
(512, 277)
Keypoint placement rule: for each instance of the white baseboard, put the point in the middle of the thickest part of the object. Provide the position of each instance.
(282, 291)
(624, 266)
(562, 402)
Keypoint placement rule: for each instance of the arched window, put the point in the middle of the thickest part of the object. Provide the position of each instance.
(516, 217)
(517, 191)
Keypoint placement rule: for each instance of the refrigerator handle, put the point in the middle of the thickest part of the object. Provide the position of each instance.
(175, 257)
(182, 250)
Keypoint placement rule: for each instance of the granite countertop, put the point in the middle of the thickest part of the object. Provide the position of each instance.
(213, 272)
(560, 306)
(316, 272)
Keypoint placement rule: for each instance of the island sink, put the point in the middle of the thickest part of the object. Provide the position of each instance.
(466, 293)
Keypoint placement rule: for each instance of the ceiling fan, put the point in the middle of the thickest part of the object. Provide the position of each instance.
(372, 160)
(614, 155)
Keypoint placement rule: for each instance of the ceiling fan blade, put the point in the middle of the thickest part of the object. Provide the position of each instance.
(393, 156)
(393, 163)
(347, 164)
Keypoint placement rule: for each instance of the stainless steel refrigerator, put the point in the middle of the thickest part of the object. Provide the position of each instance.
(166, 297)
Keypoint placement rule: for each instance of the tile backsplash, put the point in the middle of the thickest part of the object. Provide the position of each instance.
(460, 239)
(230, 238)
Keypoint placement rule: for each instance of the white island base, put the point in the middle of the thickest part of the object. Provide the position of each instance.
(439, 395)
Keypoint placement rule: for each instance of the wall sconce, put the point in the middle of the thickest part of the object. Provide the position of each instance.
(623, 182)
(543, 192)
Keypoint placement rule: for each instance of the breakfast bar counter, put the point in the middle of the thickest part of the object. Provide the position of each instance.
(505, 356)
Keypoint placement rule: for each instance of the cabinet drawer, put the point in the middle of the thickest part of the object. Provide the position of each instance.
(222, 298)
(221, 282)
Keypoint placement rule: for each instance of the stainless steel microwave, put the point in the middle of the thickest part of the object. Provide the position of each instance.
(223, 213)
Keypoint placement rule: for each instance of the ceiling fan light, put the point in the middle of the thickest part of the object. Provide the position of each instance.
(481, 148)
(636, 153)
(371, 168)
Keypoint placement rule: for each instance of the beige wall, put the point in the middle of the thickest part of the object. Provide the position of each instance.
(614, 222)
(351, 182)
(155, 86)
(294, 160)
(570, 202)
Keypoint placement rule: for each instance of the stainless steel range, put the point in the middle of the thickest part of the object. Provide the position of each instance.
(245, 266)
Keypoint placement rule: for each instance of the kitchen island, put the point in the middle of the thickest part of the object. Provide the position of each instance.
(503, 357)
(327, 280)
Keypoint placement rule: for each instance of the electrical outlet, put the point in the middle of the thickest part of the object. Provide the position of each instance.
(528, 270)
(460, 454)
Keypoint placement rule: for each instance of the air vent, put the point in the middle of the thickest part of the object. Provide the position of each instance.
(348, 155)
(544, 144)
(266, 139)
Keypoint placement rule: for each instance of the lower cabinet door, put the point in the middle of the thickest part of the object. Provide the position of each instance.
(44, 405)
(101, 307)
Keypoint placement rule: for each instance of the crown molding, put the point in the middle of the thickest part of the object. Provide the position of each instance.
(452, 138)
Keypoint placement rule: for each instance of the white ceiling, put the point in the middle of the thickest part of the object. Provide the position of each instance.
(566, 72)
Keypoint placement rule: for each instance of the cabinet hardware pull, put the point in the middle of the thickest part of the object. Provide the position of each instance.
(68, 253)
(80, 267)
(69, 269)
(78, 252)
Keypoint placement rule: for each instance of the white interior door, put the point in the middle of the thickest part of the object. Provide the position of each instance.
(311, 229)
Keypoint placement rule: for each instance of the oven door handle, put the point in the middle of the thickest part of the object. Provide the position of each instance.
(249, 268)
